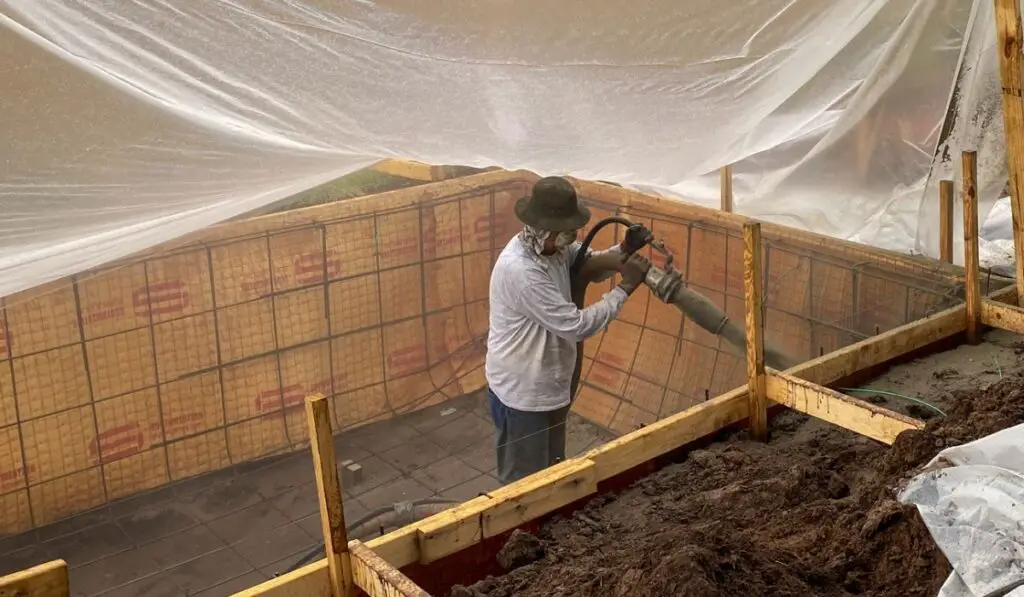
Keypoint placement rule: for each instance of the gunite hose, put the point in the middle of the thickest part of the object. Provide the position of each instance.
(669, 288)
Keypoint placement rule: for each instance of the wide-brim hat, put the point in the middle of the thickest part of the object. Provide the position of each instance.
(552, 205)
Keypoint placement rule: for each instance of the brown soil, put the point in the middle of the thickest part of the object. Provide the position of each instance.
(811, 513)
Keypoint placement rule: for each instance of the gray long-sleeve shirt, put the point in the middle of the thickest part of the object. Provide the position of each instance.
(534, 326)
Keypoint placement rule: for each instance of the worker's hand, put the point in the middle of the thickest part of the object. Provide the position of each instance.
(633, 271)
(637, 237)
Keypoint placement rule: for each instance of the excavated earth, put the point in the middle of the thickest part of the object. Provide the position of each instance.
(811, 513)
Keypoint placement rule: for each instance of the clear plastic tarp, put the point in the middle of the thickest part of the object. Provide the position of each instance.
(130, 122)
(971, 498)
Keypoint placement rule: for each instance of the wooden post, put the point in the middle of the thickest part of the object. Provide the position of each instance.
(1009, 34)
(973, 279)
(726, 188)
(946, 220)
(332, 513)
(755, 331)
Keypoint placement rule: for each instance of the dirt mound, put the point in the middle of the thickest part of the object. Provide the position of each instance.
(812, 513)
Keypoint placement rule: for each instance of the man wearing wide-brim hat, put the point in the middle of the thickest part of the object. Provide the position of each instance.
(535, 327)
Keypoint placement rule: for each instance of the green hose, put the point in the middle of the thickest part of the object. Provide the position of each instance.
(894, 394)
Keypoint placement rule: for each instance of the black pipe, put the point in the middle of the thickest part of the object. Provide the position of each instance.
(579, 289)
(581, 255)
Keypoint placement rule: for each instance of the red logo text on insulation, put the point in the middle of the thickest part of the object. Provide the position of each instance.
(15, 477)
(407, 360)
(448, 237)
(309, 268)
(119, 442)
(262, 285)
(604, 376)
(326, 387)
(161, 299)
(104, 311)
(399, 247)
(484, 230)
(183, 424)
(280, 398)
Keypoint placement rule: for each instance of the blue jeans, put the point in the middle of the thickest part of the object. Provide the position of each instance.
(526, 442)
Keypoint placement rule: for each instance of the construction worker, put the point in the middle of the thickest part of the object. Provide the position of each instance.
(535, 327)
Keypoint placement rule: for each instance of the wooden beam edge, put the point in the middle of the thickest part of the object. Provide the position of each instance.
(46, 580)
(377, 578)
(862, 417)
(405, 169)
(506, 508)
(1002, 316)
(546, 491)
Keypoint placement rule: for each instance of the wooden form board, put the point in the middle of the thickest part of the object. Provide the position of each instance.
(844, 411)
(45, 580)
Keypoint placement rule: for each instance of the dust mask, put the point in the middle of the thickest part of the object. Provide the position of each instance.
(564, 239)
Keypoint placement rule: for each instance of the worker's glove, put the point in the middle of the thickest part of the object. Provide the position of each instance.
(634, 271)
(637, 237)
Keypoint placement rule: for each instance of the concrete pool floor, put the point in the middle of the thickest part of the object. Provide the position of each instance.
(225, 531)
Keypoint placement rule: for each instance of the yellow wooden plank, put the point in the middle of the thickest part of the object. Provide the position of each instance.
(400, 547)
(850, 413)
(378, 578)
(1002, 316)
(539, 494)
(452, 530)
(312, 580)
(45, 580)
(405, 169)
(639, 446)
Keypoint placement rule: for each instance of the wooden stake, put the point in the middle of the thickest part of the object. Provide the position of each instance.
(946, 220)
(973, 279)
(332, 512)
(726, 173)
(755, 331)
(1009, 34)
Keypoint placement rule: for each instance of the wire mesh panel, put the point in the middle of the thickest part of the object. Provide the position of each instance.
(200, 357)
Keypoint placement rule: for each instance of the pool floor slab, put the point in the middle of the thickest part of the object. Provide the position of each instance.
(224, 531)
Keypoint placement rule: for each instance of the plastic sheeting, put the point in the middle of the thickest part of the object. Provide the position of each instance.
(971, 498)
(131, 122)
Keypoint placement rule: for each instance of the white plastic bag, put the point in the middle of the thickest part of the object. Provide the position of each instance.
(971, 498)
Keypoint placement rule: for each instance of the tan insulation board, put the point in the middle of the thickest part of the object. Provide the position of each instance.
(196, 356)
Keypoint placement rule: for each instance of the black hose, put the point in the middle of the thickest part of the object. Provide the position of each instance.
(319, 548)
(579, 289)
(581, 255)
